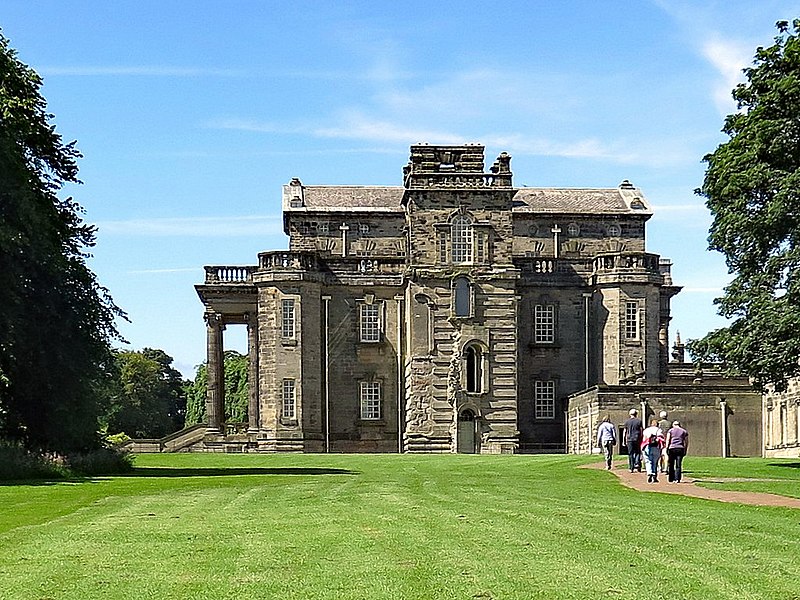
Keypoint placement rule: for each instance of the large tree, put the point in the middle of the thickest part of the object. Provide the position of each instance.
(146, 397)
(752, 188)
(56, 321)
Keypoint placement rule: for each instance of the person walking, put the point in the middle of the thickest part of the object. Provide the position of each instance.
(652, 443)
(677, 444)
(607, 439)
(664, 425)
(632, 438)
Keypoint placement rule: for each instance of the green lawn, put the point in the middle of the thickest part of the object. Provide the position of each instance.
(385, 526)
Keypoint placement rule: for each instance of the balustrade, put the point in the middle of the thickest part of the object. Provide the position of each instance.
(631, 261)
(229, 274)
(459, 180)
(287, 260)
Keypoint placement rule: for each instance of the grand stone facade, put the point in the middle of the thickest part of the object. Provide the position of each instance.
(782, 421)
(453, 313)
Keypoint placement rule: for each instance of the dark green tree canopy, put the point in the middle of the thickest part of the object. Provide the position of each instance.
(146, 397)
(752, 188)
(56, 321)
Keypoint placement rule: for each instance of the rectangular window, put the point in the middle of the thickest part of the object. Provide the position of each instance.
(289, 400)
(442, 248)
(370, 322)
(544, 399)
(480, 247)
(544, 324)
(287, 318)
(631, 320)
(370, 400)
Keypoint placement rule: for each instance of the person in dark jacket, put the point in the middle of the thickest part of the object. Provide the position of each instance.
(632, 438)
(677, 445)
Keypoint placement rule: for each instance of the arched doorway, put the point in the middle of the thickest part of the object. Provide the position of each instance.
(467, 435)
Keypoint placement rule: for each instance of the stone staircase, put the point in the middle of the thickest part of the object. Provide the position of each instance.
(180, 441)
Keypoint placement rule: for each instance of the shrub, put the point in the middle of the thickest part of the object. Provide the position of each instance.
(103, 461)
(17, 463)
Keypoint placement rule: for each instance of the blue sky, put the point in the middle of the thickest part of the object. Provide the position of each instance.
(191, 115)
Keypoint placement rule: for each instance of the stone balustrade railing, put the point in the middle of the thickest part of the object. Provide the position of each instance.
(230, 274)
(288, 260)
(457, 180)
(642, 262)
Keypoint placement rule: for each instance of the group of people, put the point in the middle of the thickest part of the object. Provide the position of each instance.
(650, 442)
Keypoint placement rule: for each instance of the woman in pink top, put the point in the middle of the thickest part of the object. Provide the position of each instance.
(652, 443)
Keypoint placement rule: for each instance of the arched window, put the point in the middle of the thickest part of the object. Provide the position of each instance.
(474, 371)
(461, 239)
(462, 292)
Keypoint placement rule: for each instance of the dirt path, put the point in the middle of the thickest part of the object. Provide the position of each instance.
(689, 487)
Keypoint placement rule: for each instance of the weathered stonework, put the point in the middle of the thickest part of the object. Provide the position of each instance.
(455, 313)
(781, 424)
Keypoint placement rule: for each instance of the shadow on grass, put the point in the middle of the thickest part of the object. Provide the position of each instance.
(790, 465)
(231, 471)
(182, 472)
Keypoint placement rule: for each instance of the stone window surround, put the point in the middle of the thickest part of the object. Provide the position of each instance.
(370, 400)
(480, 375)
(632, 320)
(544, 324)
(370, 319)
(289, 315)
(458, 290)
(289, 401)
(544, 399)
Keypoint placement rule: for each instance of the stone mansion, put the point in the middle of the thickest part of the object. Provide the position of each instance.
(454, 313)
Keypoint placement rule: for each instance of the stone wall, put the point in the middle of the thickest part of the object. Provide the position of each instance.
(722, 420)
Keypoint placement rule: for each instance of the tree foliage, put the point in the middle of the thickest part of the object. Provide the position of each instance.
(236, 391)
(56, 321)
(146, 396)
(752, 188)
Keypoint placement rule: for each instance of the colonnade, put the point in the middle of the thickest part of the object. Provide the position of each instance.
(215, 372)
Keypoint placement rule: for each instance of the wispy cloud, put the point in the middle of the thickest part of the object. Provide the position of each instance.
(139, 70)
(165, 271)
(729, 58)
(194, 226)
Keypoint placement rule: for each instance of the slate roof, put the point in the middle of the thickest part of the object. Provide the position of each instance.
(352, 198)
(581, 201)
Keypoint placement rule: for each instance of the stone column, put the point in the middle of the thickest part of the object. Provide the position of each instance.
(253, 417)
(215, 372)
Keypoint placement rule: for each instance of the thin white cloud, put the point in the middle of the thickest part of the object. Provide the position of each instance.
(194, 227)
(139, 70)
(729, 58)
(165, 271)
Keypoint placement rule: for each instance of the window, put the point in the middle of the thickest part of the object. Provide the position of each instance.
(462, 292)
(631, 320)
(480, 247)
(461, 239)
(323, 227)
(370, 322)
(442, 242)
(544, 399)
(363, 228)
(474, 369)
(614, 230)
(573, 229)
(287, 318)
(544, 324)
(370, 400)
(289, 400)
